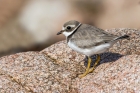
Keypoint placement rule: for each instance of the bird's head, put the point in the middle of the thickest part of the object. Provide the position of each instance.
(69, 27)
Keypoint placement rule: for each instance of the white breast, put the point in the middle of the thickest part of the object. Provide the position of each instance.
(91, 51)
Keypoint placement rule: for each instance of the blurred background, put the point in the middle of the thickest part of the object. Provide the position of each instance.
(31, 25)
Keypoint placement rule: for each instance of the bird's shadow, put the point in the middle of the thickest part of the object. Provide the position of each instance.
(105, 58)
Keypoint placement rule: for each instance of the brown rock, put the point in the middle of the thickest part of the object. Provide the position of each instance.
(55, 70)
(64, 56)
(33, 72)
(122, 76)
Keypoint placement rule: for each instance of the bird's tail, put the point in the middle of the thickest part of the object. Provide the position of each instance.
(123, 37)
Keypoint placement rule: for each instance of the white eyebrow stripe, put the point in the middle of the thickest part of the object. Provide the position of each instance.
(71, 25)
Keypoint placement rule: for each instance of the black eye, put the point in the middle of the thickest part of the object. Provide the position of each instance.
(68, 27)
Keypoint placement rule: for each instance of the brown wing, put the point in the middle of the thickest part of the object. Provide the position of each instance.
(88, 36)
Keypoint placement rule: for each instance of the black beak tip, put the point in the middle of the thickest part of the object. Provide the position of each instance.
(59, 33)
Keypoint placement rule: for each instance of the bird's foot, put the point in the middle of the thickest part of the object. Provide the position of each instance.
(88, 69)
(96, 63)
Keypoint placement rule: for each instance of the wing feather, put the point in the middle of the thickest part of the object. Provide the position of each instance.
(88, 36)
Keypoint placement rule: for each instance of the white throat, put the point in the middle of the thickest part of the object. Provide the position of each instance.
(69, 33)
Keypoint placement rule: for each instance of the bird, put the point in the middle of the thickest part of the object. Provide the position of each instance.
(88, 40)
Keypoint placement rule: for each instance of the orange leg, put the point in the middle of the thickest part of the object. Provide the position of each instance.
(97, 61)
(87, 69)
